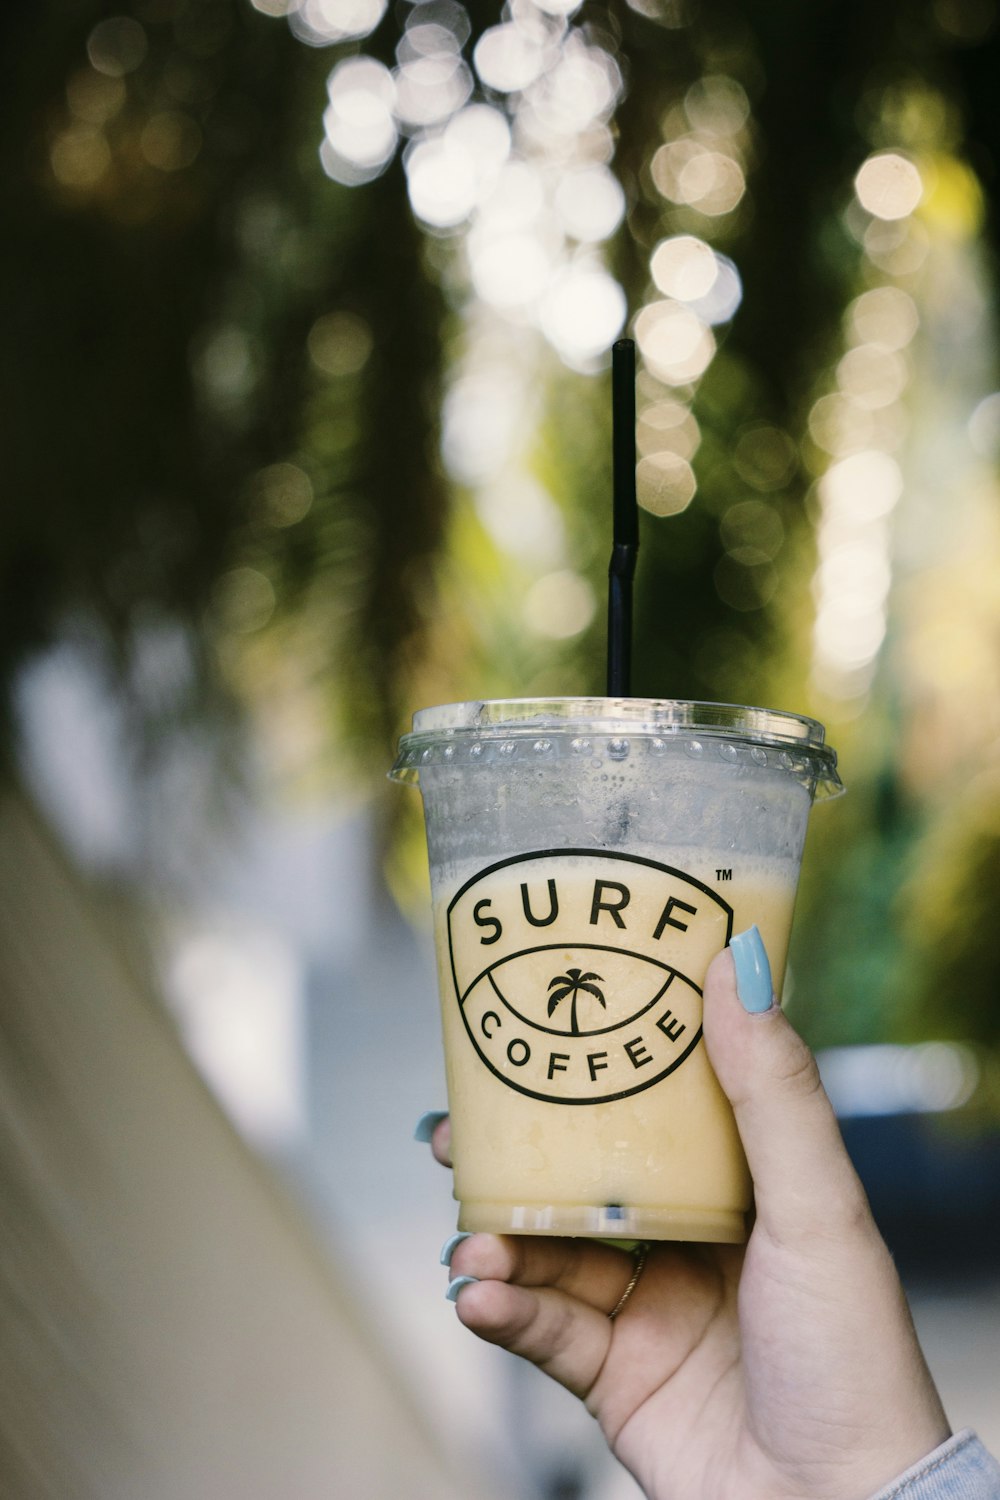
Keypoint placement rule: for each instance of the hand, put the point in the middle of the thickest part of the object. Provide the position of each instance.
(788, 1368)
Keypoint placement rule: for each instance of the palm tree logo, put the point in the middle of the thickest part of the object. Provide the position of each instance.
(570, 984)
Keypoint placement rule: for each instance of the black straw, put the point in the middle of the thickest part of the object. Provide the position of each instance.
(621, 570)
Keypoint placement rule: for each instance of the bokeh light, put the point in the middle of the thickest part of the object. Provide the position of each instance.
(894, 1080)
(521, 190)
(898, 247)
(449, 174)
(871, 376)
(687, 269)
(79, 157)
(510, 57)
(590, 203)
(863, 487)
(889, 186)
(559, 605)
(886, 316)
(244, 601)
(524, 521)
(667, 424)
(517, 201)
(93, 97)
(339, 343)
(361, 132)
(699, 169)
(765, 456)
(281, 495)
(687, 172)
(225, 368)
(485, 416)
(321, 23)
(854, 574)
(684, 267)
(583, 312)
(430, 89)
(755, 525)
(117, 46)
(510, 271)
(716, 105)
(675, 343)
(484, 133)
(442, 182)
(665, 483)
(170, 140)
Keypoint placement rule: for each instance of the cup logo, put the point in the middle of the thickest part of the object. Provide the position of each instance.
(578, 973)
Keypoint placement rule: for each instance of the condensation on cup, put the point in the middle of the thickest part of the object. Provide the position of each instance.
(588, 858)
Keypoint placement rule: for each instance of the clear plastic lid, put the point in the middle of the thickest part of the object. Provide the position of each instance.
(448, 732)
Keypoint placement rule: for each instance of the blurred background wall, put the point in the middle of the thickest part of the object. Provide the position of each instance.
(308, 307)
(170, 1325)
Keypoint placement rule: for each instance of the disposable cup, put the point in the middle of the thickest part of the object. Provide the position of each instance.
(588, 858)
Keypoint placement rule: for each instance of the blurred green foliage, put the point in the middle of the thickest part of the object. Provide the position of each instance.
(947, 912)
(222, 379)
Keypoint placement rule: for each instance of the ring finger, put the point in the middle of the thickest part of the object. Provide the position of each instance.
(594, 1273)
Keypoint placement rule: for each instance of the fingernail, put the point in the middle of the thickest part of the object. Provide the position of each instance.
(448, 1248)
(753, 972)
(428, 1123)
(454, 1287)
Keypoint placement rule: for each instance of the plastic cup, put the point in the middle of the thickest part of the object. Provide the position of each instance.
(588, 858)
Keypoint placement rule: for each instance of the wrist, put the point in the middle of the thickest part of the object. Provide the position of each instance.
(960, 1468)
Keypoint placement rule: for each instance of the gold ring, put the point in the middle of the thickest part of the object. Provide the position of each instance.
(639, 1256)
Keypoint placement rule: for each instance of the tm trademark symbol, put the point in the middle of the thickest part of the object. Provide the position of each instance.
(723, 874)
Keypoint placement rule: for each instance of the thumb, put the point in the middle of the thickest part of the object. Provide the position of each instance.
(804, 1183)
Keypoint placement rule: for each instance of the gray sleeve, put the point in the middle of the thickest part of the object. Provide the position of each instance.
(961, 1469)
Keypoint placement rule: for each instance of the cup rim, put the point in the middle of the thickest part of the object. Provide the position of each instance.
(503, 716)
(644, 718)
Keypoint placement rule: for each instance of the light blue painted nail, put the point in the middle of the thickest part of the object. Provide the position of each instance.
(449, 1246)
(454, 1287)
(753, 972)
(428, 1123)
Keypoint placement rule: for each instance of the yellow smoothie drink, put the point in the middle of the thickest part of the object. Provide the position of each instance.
(584, 874)
(621, 1127)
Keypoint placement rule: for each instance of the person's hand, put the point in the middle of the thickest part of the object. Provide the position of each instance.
(789, 1368)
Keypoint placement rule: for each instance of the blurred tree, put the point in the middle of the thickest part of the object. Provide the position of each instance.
(947, 913)
(224, 371)
(169, 247)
